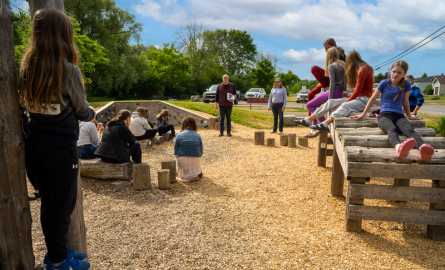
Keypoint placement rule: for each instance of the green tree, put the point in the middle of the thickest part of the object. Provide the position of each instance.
(424, 75)
(428, 90)
(288, 79)
(234, 47)
(263, 75)
(379, 77)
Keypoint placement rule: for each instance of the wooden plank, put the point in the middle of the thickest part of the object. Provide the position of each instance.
(77, 231)
(381, 141)
(329, 152)
(338, 147)
(322, 146)
(392, 170)
(330, 141)
(366, 154)
(398, 193)
(404, 215)
(346, 122)
(96, 168)
(117, 185)
(353, 223)
(423, 132)
(338, 177)
(433, 231)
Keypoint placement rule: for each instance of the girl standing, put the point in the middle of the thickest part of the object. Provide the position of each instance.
(52, 89)
(393, 102)
(277, 101)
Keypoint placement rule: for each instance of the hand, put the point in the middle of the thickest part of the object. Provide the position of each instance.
(357, 117)
(100, 127)
(231, 100)
(282, 109)
(216, 107)
(268, 109)
(345, 94)
(413, 117)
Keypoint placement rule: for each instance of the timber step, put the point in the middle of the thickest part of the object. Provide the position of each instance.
(96, 168)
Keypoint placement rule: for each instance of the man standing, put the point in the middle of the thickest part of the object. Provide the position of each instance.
(225, 104)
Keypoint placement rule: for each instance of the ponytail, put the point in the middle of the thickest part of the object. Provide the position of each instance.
(401, 87)
(121, 116)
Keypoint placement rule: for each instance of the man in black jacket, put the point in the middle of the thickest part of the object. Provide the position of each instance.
(225, 104)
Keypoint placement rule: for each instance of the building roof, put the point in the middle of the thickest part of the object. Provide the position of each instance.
(426, 79)
(440, 78)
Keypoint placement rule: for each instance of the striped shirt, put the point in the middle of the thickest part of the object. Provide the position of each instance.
(415, 98)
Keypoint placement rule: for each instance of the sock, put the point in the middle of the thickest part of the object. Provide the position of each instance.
(324, 124)
(397, 148)
(307, 121)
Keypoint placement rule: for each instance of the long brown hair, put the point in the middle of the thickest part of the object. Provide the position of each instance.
(43, 72)
(163, 113)
(333, 57)
(404, 66)
(142, 112)
(353, 62)
(122, 115)
(190, 123)
(330, 41)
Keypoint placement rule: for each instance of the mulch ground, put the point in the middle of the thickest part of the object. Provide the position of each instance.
(256, 207)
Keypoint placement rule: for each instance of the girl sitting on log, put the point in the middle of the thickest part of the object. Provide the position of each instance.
(118, 143)
(52, 89)
(140, 126)
(359, 75)
(89, 138)
(188, 151)
(392, 120)
(162, 123)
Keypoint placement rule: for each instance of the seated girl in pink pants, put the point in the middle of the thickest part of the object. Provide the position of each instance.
(335, 70)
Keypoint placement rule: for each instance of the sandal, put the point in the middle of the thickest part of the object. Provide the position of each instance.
(312, 134)
(405, 147)
(426, 152)
(302, 123)
(320, 127)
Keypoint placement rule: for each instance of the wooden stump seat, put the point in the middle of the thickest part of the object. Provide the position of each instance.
(96, 168)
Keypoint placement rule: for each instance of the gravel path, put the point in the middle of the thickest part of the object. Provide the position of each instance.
(255, 208)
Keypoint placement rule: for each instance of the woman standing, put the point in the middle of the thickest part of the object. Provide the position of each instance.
(188, 151)
(162, 123)
(278, 101)
(118, 143)
(140, 126)
(52, 89)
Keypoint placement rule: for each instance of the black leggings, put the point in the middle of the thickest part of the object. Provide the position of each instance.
(150, 133)
(392, 122)
(166, 129)
(135, 152)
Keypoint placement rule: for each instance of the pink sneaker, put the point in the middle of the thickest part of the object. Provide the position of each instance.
(405, 147)
(426, 152)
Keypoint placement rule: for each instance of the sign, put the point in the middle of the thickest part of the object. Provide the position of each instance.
(303, 89)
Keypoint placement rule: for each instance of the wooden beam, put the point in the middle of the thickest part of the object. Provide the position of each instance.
(381, 141)
(338, 177)
(404, 215)
(322, 147)
(118, 185)
(391, 170)
(436, 232)
(353, 223)
(338, 147)
(96, 168)
(77, 233)
(346, 122)
(423, 132)
(366, 154)
(329, 152)
(398, 193)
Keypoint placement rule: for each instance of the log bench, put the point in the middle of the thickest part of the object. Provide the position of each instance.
(96, 168)
(361, 150)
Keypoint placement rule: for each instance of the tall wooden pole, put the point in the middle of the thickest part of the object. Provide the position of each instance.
(35, 5)
(16, 251)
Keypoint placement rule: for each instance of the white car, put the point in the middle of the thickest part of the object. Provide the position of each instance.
(256, 93)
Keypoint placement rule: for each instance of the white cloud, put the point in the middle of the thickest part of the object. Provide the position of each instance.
(311, 56)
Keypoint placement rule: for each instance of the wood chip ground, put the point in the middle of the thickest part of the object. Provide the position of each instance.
(256, 207)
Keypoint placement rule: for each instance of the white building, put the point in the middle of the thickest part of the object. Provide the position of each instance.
(423, 82)
(438, 85)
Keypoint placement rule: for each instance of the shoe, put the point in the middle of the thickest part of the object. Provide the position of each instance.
(302, 123)
(31, 199)
(426, 152)
(229, 135)
(37, 194)
(74, 255)
(281, 132)
(405, 147)
(273, 131)
(220, 135)
(312, 134)
(320, 127)
(200, 175)
(69, 264)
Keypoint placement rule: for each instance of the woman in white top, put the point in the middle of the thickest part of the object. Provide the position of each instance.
(89, 138)
(140, 126)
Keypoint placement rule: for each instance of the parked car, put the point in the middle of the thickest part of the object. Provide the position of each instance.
(302, 96)
(256, 93)
(210, 94)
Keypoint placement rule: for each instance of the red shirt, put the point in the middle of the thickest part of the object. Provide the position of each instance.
(365, 83)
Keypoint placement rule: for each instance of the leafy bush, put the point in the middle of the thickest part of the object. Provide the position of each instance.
(440, 129)
(428, 90)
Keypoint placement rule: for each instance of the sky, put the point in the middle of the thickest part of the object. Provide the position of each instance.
(294, 30)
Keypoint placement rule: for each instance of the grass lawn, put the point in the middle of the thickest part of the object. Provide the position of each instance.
(263, 109)
(436, 122)
(434, 103)
(434, 97)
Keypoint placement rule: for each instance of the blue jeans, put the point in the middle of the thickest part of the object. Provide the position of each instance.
(87, 151)
(276, 110)
(225, 112)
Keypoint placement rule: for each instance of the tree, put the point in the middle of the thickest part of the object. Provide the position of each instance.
(188, 34)
(309, 86)
(428, 90)
(263, 75)
(234, 47)
(424, 75)
(379, 77)
(288, 79)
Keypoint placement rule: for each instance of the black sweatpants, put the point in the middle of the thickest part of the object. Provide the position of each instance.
(55, 167)
(150, 133)
(163, 130)
(392, 122)
(135, 152)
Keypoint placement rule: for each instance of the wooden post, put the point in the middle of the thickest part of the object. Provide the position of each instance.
(292, 140)
(216, 125)
(171, 166)
(303, 141)
(164, 179)
(212, 121)
(284, 138)
(322, 148)
(401, 182)
(338, 177)
(259, 137)
(354, 225)
(77, 233)
(35, 5)
(435, 232)
(141, 176)
(270, 141)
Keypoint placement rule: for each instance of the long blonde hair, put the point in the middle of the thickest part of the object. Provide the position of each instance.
(404, 66)
(43, 72)
(333, 56)
(353, 62)
(163, 113)
(281, 83)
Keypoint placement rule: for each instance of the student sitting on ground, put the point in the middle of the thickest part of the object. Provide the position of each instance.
(118, 143)
(89, 138)
(358, 74)
(140, 126)
(415, 96)
(162, 123)
(188, 151)
(391, 119)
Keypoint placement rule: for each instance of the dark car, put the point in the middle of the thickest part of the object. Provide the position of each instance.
(209, 95)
